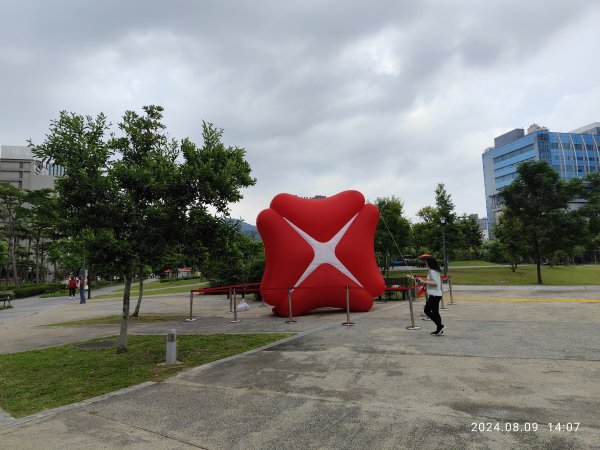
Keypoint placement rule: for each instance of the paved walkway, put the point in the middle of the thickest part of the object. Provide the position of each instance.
(511, 357)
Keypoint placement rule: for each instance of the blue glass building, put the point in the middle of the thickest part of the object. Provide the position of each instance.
(573, 154)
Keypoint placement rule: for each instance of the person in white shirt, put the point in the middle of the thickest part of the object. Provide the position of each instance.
(433, 285)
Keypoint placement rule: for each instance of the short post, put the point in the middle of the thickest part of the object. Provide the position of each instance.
(171, 346)
(235, 318)
(191, 319)
(347, 323)
(262, 300)
(291, 319)
(412, 315)
(450, 287)
(442, 307)
(230, 297)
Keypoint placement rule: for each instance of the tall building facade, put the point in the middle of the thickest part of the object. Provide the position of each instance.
(19, 168)
(572, 155)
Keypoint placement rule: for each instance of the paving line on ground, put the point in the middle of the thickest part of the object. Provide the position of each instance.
(538, 300)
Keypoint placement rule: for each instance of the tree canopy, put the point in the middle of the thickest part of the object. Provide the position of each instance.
(133, 191)
(393, 229)
(537, 202)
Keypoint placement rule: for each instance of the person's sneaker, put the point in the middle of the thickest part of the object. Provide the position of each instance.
(441, 331)
(434, 332)
(425, 318)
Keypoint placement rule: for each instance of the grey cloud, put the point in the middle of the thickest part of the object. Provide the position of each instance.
(350, 90)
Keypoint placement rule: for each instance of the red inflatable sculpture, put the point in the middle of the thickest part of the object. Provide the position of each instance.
(317, 247)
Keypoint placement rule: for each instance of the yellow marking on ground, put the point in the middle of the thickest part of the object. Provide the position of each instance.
(541, 300)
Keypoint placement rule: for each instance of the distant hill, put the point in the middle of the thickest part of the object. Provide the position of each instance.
(248, 229)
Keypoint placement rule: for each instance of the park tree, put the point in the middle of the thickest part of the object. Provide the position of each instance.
(510, 234)
(3, 254)
(493, 251)
(65, 254)
(590, 211)
(429, 231)
(470, 236)
(137, 185)
(235, 258)
(452, 231)
(393, 229)
(426, 234)
(12, 213)
(538, 199)
(43, 217)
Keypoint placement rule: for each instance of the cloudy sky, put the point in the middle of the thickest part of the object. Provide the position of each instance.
(386, 97)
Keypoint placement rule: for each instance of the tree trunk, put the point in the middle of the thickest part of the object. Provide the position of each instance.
(387, 264)
(538, 263)
(89, 285)
(140, 293)
(37, 259)
(122, 347)
(13, 260)
(43, 265)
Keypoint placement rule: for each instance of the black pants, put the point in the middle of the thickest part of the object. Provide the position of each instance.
(72, 292)
(432, 310)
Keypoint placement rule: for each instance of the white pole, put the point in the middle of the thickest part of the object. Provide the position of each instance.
(171, 346)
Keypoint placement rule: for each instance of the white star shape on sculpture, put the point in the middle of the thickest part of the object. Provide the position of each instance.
(324, 252)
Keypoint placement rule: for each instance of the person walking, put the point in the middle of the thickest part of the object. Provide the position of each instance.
(81, 289)
(72, 285)
(433, 286)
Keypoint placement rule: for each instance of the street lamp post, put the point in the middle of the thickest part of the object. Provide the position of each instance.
(443, 222)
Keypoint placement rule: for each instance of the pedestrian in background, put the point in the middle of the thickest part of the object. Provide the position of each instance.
(433, 286)
(72, 285)
(81, 289)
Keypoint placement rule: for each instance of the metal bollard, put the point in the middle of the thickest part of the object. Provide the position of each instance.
(442, 307)
(347, 323)
(230, 300)
(262, 303)
(191, 319)
(291, 319)
(235, 318)
(412, 315)
(171, 347)
(450, 286)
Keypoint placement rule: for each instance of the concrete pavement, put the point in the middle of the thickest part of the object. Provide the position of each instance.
(526, 357)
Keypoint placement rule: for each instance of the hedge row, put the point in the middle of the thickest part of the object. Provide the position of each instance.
(37, 289)
(175, 280)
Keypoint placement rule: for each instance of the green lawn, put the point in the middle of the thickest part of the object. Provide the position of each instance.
(525, 275)
(471, 263)
(37, 380)
(165, 288)
(151, 288)
(111, 320)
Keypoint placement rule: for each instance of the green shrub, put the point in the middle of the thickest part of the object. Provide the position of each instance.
(175, 280)
(37, 289)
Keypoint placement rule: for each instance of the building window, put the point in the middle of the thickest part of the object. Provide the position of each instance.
(513, 154)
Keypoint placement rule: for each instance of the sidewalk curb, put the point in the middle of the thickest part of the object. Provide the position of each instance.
(9, 421)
